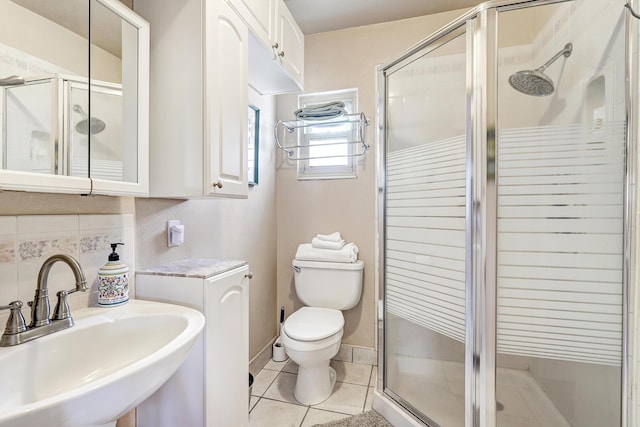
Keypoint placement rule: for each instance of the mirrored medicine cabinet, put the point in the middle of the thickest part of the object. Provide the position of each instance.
(74, 87)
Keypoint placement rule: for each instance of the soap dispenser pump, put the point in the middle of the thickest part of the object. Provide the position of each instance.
(113, 280)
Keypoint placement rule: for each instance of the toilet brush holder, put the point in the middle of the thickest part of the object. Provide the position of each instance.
(279, 354)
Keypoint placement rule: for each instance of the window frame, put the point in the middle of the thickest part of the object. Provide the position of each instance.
(305, 169)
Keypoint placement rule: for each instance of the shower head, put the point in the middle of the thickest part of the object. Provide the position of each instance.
(83, 127)
(536, 82)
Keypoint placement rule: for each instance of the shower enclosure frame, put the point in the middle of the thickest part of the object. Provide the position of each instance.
(480, 27)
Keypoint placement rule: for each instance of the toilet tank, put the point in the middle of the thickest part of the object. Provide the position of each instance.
(336, 285)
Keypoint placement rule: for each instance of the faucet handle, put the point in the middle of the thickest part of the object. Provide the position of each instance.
(62, 311)
(15, 322)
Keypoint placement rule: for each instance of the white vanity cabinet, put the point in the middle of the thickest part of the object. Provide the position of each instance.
(210, 389)
(198, 98)
(276, 46)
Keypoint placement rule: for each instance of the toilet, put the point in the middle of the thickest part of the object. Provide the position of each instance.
(312, 335)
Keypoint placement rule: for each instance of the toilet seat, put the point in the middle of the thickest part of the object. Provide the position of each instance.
(313, 324)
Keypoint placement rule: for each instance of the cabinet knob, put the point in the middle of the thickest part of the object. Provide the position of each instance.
(281, 54)
(275, 46)
(218, 184)
(249, 275)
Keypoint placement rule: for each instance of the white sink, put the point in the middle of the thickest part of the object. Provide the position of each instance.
(98, 370)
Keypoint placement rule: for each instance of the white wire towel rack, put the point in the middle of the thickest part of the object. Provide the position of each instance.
(358, 121)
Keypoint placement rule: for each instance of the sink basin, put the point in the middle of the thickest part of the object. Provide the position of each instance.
(98, 370)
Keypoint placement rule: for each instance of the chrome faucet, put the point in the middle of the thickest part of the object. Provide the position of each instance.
(16, 331)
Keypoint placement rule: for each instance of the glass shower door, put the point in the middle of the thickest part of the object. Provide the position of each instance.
(424, 254)
(560, 215)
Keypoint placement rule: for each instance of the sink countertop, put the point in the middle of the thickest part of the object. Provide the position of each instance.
(198, 268)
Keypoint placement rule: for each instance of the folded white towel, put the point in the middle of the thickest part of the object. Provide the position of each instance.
(333, 237)
(306, 252)
(326, 244)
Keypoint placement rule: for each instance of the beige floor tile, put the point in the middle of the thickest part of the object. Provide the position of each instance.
(346, 398)
(374, 377)
(271, 413)
(368, 404)
(291, 367)
(353, 373)
(345, 354)
(282, 388)
(262, 381)
(253, 401)
(366, 356)
(317, 416)
(276, 366)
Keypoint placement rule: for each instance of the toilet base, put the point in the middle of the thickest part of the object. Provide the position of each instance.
(314, 384)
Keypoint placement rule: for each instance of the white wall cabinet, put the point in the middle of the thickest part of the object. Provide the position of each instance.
(290, 52)
(198, 97)
(260, 16)
(45, 143)
(226, 102)
(210, 389)
(276, 46)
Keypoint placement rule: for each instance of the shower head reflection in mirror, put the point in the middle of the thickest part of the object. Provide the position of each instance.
(96, 125)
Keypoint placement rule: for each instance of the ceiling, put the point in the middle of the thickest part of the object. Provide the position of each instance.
(317, 16)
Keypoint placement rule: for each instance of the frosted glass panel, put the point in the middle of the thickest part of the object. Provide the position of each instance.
(560, 175)
(425, 233)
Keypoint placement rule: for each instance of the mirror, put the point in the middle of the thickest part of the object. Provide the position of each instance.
(253, 145)
(69, 81)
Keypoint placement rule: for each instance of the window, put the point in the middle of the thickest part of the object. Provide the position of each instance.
(328, 147)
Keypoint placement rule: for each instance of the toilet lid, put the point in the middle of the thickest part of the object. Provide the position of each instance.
(313, 323)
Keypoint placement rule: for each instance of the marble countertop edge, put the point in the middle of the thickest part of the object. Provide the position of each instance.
(194, 267)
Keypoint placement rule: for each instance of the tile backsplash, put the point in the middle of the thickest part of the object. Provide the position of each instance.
(26, 241)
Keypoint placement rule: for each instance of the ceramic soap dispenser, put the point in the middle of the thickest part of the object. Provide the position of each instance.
(113, 280)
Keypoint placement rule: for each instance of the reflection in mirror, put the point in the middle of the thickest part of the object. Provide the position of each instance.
(43, 46)
(113, 132)
(254, 145)
(49, 123)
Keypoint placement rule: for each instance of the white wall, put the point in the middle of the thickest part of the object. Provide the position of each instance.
(333, 61)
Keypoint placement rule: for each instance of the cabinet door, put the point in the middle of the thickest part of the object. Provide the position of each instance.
(226, 102)
(290, 51)
(259, 16)
(227, 348)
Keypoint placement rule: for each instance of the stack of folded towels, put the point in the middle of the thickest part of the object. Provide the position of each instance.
(330, 110)
(328, 247)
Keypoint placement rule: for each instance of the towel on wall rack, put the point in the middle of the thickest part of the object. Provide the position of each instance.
(321, 111)
(306, 252)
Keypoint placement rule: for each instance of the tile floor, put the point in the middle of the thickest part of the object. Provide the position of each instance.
(273, 404)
